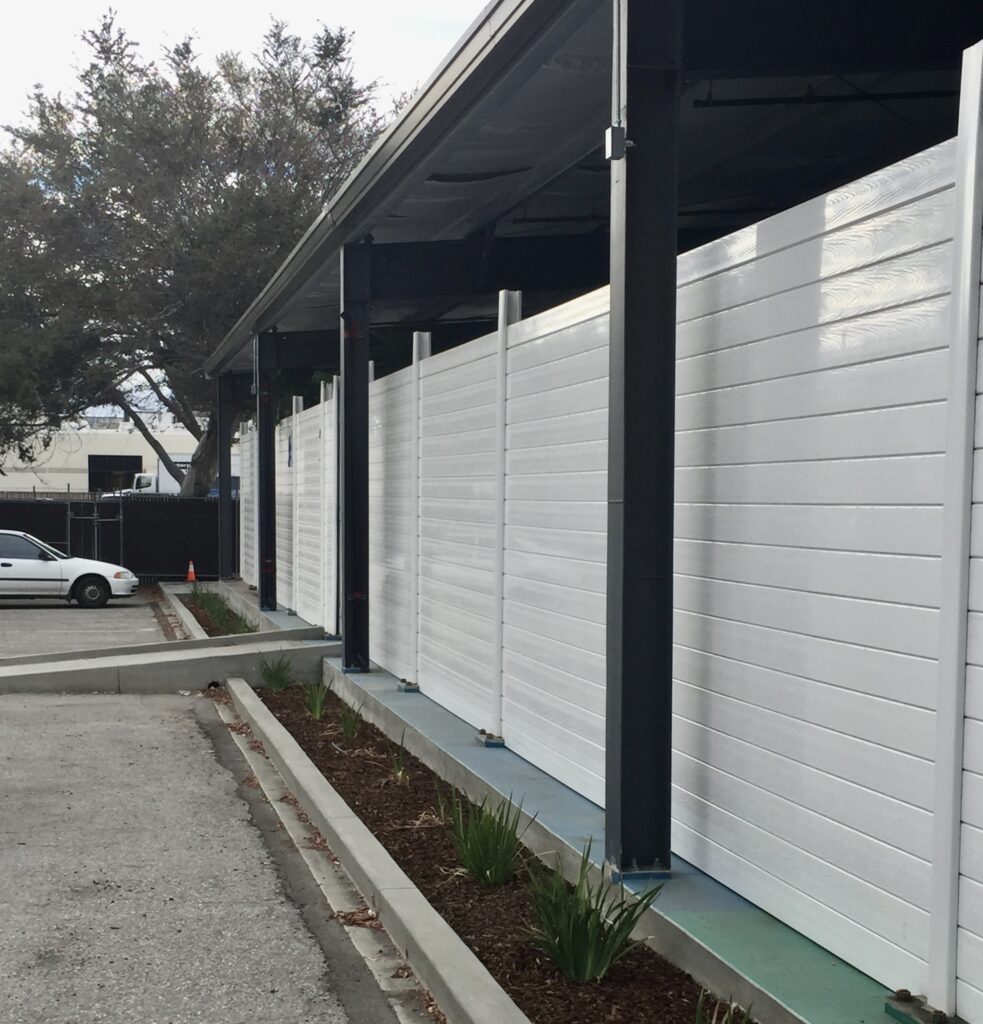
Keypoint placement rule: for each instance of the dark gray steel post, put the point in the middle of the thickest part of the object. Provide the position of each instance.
(355, 456)
(226, 510)
(641, 424)
(266, 468)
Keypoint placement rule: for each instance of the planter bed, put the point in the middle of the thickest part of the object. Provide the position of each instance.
(492, 920)
(210, 624)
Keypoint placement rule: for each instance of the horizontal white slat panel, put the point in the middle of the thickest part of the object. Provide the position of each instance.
(577, 487)
(584, 457)
(460, 554)
(901, 628)
(973, 746)
(581, 634)
(575, 370)
(583, 604)
(914, 430)
(901, 579)
(465, 654)
(566, 726)
(914, 480)
(441, 403)
(465, 598)
(524, 737)
(974, 692)
(480, 463)
(886, 383)
(889, 530)
(464, 375)
(974, 640)
(900, 183)
(972, 812)
(458, 361)
(581, 545)
(459, 692)
(463, 443)
(481, 534)
(574, 689)
(464, 576)
(853, 852)
(456, 510)
(439, 613)
(971, 852)
(870, 953)
(477, 418)
(586, 397)
(573, 660)
(887, 674)
(898, 231)
(566, 572)
(561, 344)
(883, 818)
(887, 334)
(560, 430)
(921, 275)
(897, 775)
(969, 955)
(885, 722)
(469, 489)
(591, 516)
(969, 1001)
(580, 310)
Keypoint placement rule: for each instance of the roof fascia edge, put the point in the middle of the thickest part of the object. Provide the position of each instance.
(502, 31)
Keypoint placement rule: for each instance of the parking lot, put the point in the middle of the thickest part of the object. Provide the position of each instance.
(42, 627)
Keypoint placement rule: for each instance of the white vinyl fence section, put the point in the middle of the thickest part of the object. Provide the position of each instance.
(814, 466)
(248, 542)
(285, 497)
(392, 523)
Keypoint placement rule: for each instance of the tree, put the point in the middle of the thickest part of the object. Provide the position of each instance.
(141, 217)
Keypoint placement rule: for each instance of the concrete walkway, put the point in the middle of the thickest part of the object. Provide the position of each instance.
(134, 885)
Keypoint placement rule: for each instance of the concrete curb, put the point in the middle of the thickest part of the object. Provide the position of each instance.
(169, 671)
(180, 610)
(165, 647)
(460, 983)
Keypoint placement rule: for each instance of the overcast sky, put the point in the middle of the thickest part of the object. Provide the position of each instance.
(399, 42)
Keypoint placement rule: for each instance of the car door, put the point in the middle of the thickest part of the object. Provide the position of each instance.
(26, 569)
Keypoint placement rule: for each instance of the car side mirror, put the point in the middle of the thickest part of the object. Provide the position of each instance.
(45, 556)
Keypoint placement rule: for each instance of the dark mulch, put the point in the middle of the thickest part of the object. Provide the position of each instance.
(642, 987)
(207, 623)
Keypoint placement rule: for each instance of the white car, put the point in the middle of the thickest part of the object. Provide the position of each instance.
(31, 568)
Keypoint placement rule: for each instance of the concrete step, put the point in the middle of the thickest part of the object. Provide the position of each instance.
(165, 669)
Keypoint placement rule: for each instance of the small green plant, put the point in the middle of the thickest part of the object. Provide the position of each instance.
(487, 839)
(585, 929)
(723, 1013)
(218, 610)
(397, 757)
(315, 697)
(277, 674)
(350, 720)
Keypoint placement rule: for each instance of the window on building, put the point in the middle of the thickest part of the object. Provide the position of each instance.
(113, 472)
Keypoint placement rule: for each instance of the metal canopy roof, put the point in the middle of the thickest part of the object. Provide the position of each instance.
(503, 141)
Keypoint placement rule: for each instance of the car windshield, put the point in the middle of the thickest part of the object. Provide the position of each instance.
(46, 547)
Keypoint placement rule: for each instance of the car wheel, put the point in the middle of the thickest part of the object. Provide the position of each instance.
(92, 592)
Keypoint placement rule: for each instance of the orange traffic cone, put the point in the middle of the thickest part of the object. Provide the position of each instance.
(191, 577)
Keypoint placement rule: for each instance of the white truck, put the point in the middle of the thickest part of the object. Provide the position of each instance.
(160, 482)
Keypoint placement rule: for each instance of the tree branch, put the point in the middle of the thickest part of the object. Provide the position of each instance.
(120, 399)
(176, 407)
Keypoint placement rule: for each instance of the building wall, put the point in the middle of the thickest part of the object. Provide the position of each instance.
(66, 463)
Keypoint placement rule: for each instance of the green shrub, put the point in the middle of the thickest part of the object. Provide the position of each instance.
(397, 757)
(487, 840)
(315, 697)
(723, 1013)
(277, 674)
(219, 611)
(585, 929)
(350, 721)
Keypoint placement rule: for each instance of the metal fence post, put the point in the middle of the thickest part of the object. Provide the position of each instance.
(421, 351)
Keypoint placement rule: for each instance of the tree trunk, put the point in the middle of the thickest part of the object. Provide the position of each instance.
(201, 474)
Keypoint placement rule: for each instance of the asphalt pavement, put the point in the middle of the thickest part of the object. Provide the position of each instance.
(50, 627)
(137, 881)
